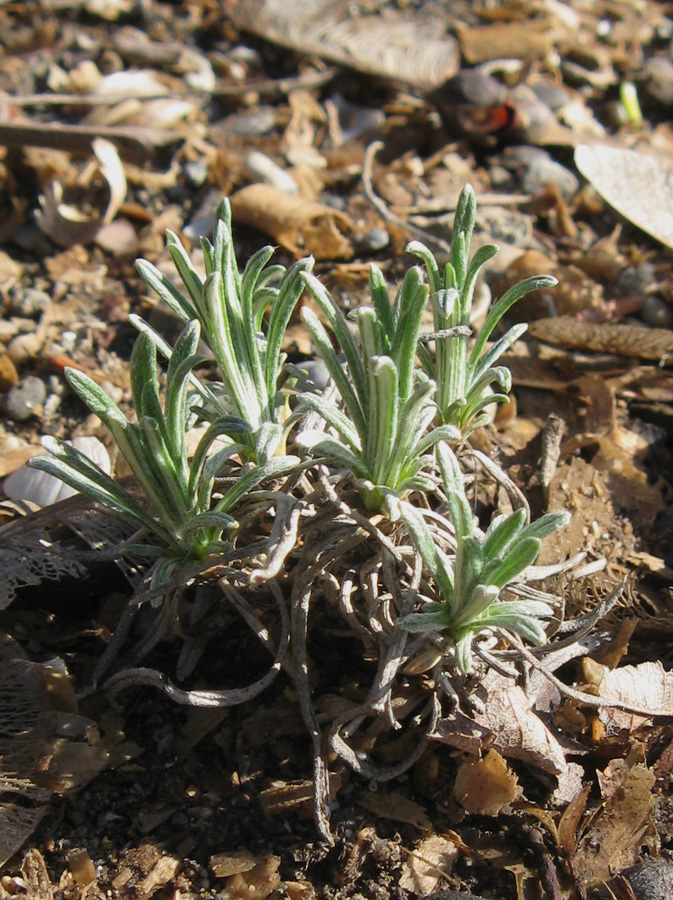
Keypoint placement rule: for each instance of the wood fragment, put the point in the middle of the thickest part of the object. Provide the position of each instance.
(632, 341)
(133, 142)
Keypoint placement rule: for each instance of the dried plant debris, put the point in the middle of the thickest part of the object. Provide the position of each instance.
(37, 758)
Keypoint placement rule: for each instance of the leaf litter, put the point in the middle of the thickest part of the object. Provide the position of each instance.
(529, 753)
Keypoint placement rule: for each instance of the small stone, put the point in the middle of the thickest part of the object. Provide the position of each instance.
(635, 281)
(373, 240)
(656, 312)
(26, 399)
(30, 302)
(24, 347)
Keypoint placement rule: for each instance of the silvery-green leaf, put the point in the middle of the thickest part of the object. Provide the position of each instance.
(427, 257)
(434, 620)
(517, 559)
(36, 486)
(464, 654)
(502, 532)
(546, 525)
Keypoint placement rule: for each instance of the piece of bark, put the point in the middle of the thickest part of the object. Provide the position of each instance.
(633, 341)
(133, 142)
(401, 49)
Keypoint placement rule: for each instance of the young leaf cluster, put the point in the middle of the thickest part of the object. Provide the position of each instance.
(464, 377)
(469, 584)
(386, 409)
(231, 308)
(182, 518)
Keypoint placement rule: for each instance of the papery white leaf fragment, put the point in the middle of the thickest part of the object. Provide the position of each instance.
(66, 224)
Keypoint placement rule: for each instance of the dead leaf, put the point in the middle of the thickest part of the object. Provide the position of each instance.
(646, 686)
(410, 50)
(303, 226)
(522, 40)
(395, 806)
(616, 834)
(66, 224)
(485, 786)
(637, 185)
(431, 860)
(255, 883)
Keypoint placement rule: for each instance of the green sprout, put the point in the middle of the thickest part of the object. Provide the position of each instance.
(381, 429)
(246, 344)
(464, 377)
(468, 585)
(184, 520)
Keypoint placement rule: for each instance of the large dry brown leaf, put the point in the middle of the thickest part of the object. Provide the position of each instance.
(485, 786)
(637, 185)
(303, 226)
(616, 835)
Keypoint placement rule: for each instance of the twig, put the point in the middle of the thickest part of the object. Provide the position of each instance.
(367, 189)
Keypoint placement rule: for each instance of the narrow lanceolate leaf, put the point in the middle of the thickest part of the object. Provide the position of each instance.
(546, 525)
(275, 468)
(476, 367)
(449, 467)
(378, 290)
(481, 257)
(340, 455)
(344, 338)
(433, 621)
(416, 248)
(186, 270)
(461, 233)
(413, 299)
(94, 396)
(464, 654)
(482, 598)
(334, 418)
(289, 292)
(335, 368)
(215, 520)
(166, 290)
(523, 554)
(502, 532)
(370, 334)
(380, 441)
(421, 536)
(508, 299)
(144, 374)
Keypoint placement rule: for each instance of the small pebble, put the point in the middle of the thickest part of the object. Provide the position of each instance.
(261, 168)
(316, 377)
(635, 281)
(29, 302)
(659, 86)
(24, 347)
(656, 312)
(255, 123)
(373, 240)
(26, 399)
(541, 171)
(553, 95)
(51, 406)
(196, 171)
(651, 880)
